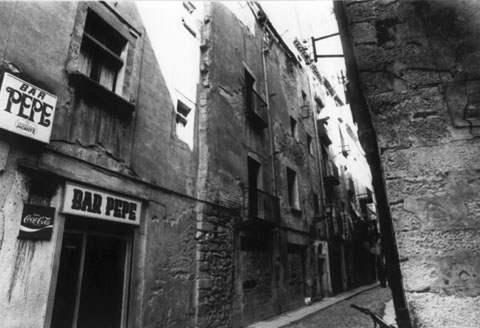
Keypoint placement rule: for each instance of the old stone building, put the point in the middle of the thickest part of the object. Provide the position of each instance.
(97, 219)
(265, 164)
(413, 74)
(352, 221)
(135, 195)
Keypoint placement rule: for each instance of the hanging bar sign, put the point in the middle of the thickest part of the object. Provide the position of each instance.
(83, 201)
(36, 222)
(26, 109)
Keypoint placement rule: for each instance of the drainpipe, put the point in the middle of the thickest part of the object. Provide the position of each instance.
(368, 139)
(276, 236)
(265, 49)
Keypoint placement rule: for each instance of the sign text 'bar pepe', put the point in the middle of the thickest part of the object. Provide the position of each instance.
(89, 202)
(26, 109)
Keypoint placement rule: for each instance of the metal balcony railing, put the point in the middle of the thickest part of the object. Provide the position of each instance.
(256, 109)
(263, 206)
(331, 173)
(322, 133)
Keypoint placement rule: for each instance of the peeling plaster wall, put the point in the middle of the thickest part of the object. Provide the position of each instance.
(26, 264)
(138, 157)
(419, 69)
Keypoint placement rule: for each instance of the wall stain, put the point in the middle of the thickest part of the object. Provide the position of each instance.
(25, 252)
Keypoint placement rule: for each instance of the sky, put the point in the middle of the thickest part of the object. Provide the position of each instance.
(304, 20)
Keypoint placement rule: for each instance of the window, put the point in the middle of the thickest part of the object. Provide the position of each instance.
(304, 97)
(250, 87)
(256, 107)
(309, 144)
(293, 199)
(102, 52)
(316, 208)
(293, 127)
(187, 20)
(189, 6)
(253, 186)
(182, 113)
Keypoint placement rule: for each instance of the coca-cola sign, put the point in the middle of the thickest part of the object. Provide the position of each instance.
(36, 222)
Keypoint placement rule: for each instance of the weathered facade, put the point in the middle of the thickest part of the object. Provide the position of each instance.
(352, 225)
(255, 86)
(112, 138)
(111, 219)
(413, 71)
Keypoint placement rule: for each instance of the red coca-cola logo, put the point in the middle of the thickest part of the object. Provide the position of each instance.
(37, 220)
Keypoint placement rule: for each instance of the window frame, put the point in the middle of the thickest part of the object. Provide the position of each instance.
(122, 99)
(294, 128)
(310, 144)
(292, 189)
(103, 58)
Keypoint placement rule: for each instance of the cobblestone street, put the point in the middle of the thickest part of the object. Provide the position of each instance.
(341, 315)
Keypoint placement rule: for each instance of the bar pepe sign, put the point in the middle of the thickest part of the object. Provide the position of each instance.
(26, 109)
(83, 201)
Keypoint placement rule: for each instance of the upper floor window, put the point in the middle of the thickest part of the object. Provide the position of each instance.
(256, 107)
(293, 128)
(182, 112)
(293, 197)
(310, 144)
(102, 52)
(316, 207)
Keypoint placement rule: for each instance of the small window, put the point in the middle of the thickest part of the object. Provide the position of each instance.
(310, 144)
(293, 127)
(189, 6)
(293, 198)
(316, 207)
(250, 86)
(182, 113)
(304, 96)
(101, 52)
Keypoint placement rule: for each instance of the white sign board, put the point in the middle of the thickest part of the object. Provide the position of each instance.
(83, 201)
(26, 109)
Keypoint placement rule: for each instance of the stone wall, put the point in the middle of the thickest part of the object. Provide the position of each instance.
(418, 67)
(227, 139)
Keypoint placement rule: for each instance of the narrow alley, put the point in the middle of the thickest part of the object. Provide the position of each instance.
(336, 311)
(342, 315)
(239, 164)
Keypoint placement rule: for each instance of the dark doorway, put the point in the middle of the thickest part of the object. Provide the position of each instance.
(92, 277)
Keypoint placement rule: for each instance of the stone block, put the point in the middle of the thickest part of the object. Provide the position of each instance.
(436, 310)
(204, 283)
(364, 33)
(425, 244)
(428, 161)
(454, 274)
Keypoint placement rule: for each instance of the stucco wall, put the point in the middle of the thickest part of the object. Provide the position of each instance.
(418, 67)
(139, 157)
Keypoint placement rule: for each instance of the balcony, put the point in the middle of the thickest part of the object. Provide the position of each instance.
(331, 174)
(256, 109)
(322, 133)
(263, 208)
